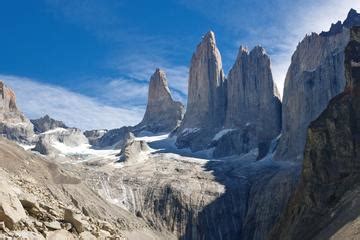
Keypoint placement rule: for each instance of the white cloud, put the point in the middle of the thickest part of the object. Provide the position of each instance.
(37, 99)
(277, 25)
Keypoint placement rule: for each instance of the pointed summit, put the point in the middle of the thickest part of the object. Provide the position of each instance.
(251, 96)
(353, 19)
(163, 114)
(13, 124)
(206, 95)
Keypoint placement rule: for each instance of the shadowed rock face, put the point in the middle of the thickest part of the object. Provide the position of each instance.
(323, 201)
(13, 124)
(252, 97)
(163, 114)
(46, 123)
(316, 75)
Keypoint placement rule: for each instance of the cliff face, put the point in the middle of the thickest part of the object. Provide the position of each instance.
(206, 104)
(13, 124)
(163, 114)
(252, 96)
(316, 74)
(327, 196)
(220, 112)
(206, 95)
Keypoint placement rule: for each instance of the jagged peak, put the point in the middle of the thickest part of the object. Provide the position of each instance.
(352, 19)
(160, 76)
(258, 50)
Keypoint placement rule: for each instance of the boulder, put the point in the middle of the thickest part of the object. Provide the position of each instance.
(11, 210)
(75, 219)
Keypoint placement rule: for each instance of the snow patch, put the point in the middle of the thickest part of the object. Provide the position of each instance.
(187, 131)
(222, 133)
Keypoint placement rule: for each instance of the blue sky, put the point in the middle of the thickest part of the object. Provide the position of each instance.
(88, 62)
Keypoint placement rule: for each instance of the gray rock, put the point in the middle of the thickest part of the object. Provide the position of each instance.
(114, 138)
(235, 141)
(71, 137)
(326, 201)
(60, 234)
(11, 210)
(134, 151)
(75, 219)
(46, 123)
(163, 114)
(316, 74)
(252, 96)
(207, 90)
(13, 124)
(94, 135)
(55, 225)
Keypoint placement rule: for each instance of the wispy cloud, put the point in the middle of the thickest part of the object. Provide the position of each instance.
(37, 99)
(277, 25)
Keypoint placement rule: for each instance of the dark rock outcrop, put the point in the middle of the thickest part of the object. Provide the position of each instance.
(114, 138)
(163, 114)
(316, 75)
(94, 135)
(324, 198)
(13, 124)
(206, 104)
(46, 123)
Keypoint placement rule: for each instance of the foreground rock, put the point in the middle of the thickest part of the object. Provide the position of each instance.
(163, 114)
(46, 123)
(13, 124)
(327, 200)
(316, 75)
(206, 96)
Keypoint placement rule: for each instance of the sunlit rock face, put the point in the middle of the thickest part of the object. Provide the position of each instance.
(13, 124)
(163, 114)
(326, 202)
(316, 74)
(206, 104)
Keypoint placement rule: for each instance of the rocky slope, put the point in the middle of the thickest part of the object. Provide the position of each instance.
(206, 96)
(46, 123)
(40, 199)
(13, 124)
(326, 202)
(316, 74)
(163, 114)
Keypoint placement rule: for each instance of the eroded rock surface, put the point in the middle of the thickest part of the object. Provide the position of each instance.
(46, 123)
(206, 104)
(326, 202)
(252, 96)
(316, 75)
(13, 124)
(163, 114)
